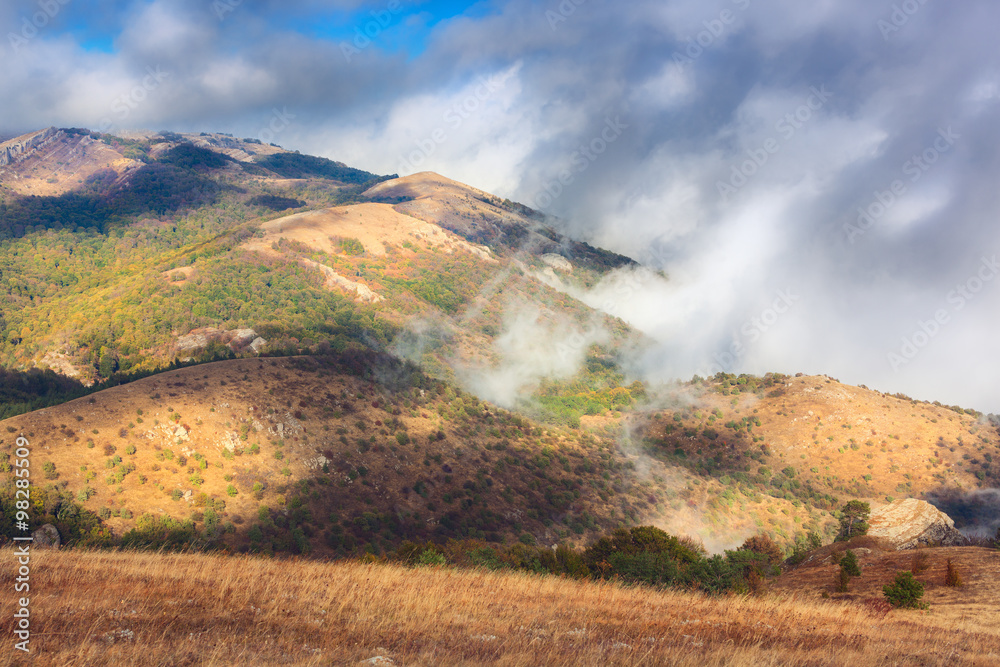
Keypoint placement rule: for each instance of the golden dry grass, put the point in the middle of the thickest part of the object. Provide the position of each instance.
(374, 225)
(974, 606)
(119, 608)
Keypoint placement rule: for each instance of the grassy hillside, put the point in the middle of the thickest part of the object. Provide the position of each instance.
(818, 443)
(330, 455)
(338, 454)
(198, 609)
(344, 453)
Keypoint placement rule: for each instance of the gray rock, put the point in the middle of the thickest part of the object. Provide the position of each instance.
(46, 537)
(21, 147)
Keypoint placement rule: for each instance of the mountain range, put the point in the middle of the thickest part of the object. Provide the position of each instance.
(392, 359)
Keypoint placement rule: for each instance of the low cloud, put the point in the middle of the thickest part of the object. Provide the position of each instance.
(533, 345)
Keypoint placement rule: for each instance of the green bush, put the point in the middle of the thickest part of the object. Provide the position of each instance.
(843, 581)
(849, 563)
(905, 592)
(231, 491)
(431, 557)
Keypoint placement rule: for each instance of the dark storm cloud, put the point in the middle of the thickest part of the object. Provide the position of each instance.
(873, 201)
(834, 161)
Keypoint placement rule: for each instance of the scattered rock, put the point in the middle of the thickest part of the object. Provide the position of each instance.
(378, 660)
(909, 523)
(317, 462)
(46, 537)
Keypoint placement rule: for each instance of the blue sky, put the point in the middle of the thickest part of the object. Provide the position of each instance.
(402, 26)
(818, 179)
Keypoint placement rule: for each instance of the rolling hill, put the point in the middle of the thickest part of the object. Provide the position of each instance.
(118, 254)
(342, 453)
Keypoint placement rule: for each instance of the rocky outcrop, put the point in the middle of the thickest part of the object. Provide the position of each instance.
(238, 340)
(557, 262)
(19, 148)
(335, 280)
(46, 537)
(910, 523)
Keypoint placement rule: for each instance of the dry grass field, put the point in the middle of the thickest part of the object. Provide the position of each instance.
(122, 608)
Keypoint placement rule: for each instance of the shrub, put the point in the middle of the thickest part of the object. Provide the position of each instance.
(843, 580)
(431, 557)
(130, 450)
(763, 544)
(919, 562)
(905, 592)
(849, 564)
(176, 494)
(50, 470)
(231, 491)
(952, 578)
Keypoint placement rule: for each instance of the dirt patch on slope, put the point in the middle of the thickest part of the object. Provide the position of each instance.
(374, 225)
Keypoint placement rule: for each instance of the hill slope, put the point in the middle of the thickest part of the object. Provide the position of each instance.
(330, 455)
(341, 453)
(137, 248)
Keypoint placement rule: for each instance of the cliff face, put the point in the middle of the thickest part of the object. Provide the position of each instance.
(910, 523)
(21, 147)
